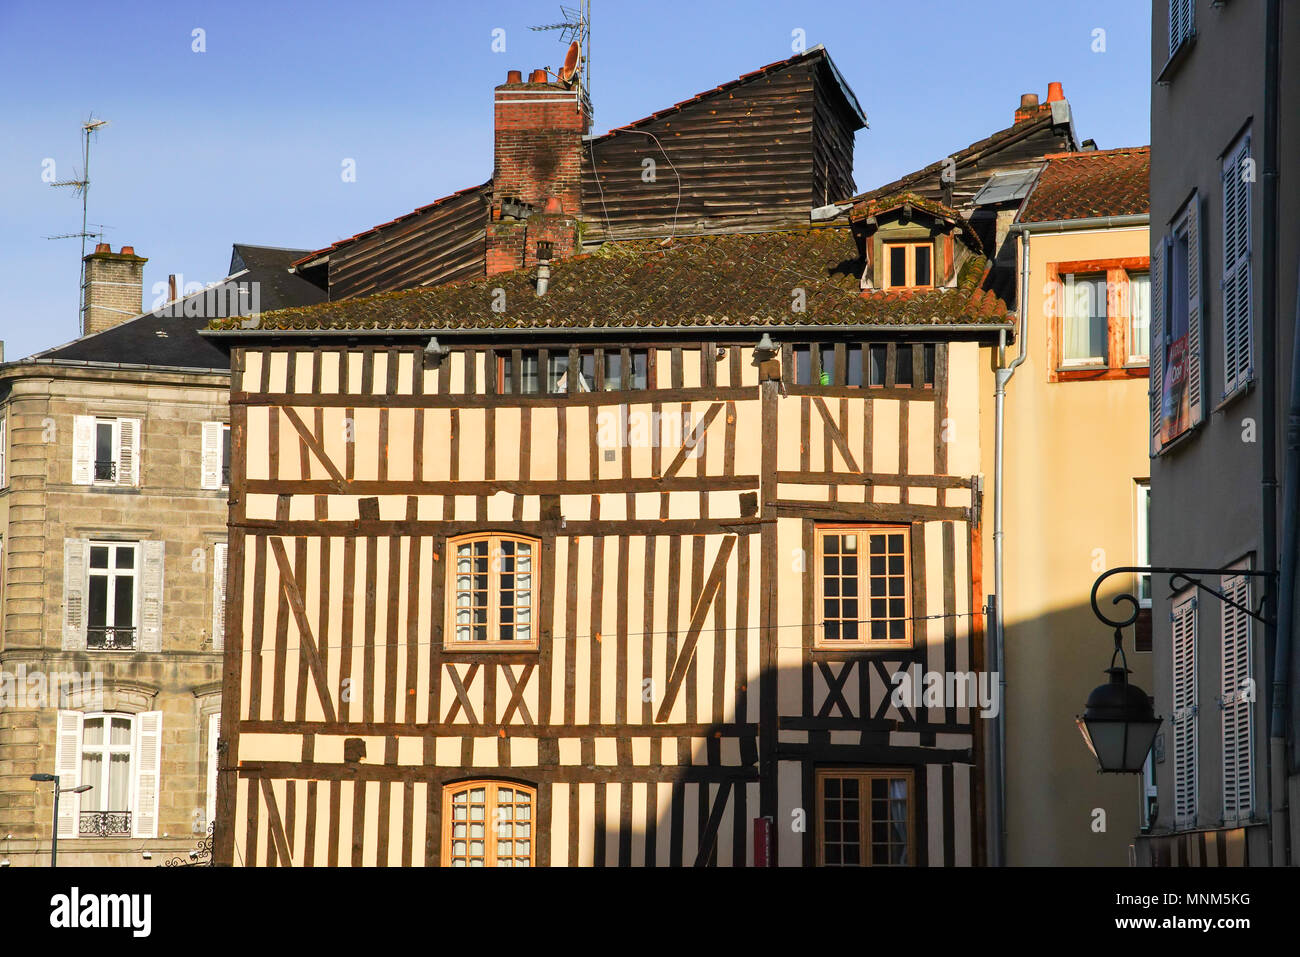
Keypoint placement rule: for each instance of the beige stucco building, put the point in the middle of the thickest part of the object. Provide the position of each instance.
(1076, 494)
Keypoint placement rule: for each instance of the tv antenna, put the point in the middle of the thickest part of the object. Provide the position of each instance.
(576, 28)
(81, 187)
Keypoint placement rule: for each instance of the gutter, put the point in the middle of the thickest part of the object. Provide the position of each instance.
(1092, 222)
(978, 329)
(1002, 376)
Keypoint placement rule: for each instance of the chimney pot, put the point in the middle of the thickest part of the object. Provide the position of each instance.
(128, 250)
(103, 248)
(1028, 101)
(1054, 92)
(514, 76)
(539, 76)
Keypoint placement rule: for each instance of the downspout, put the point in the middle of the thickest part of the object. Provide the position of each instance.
(1286, 623)
(1002, 376)
(1268, 362)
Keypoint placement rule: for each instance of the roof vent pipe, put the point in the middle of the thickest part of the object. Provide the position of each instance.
(543, 267)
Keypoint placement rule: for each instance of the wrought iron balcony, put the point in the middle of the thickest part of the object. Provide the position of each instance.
(105, 824)
(110, 639)
(105, 471)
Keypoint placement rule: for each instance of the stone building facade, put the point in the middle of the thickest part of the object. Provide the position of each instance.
(113, 516)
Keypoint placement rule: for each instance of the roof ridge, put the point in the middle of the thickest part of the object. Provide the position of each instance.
(1090, 154)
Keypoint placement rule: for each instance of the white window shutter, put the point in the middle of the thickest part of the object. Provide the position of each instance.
(1195, 313)
(67, 765)
(1238, 719)
(1156, 361)
(83, 450)
(128, 452)
(148, 766)
(76, 552)
(4, 458)
(212, 454)
(214, 732)
(151, 596)
(218, 596)
(1184, 717)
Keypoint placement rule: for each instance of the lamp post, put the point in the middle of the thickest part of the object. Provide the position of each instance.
(1118, 723)
(54, 832)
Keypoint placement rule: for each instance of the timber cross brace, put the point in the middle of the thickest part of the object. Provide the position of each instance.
(1179, 577)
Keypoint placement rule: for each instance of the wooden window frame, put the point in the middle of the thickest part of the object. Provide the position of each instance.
(910, 262)
(820, 641)
(1117, 364)
(492, 786)
(865, 776)
(492, 644)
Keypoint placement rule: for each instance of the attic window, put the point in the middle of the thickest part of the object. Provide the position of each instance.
(909, 265)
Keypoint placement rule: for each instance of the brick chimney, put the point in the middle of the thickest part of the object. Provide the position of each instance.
(114, 288)
(537, 179)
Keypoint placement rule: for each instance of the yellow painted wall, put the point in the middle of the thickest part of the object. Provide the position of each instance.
(1073, 451)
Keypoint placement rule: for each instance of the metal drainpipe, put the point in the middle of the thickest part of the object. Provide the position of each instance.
(1268, 362)
(1279, 760)
(1001, 377)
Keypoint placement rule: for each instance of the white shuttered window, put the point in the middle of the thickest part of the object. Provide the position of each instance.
(218, 596)
(216, 455)
(1237, 704)
(1184, 717)
(214, 732)
(105, 451)
(120, 756)
(1237, 313)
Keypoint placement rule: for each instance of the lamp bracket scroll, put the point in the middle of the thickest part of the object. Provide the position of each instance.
(1179, 578)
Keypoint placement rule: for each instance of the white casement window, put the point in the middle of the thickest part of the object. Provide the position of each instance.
(4, 453)
(1139, 318)
(1176, 316)
(120, 757)
(216, 455)
(218, 596)
(112, 595)
(214, 733)
(1184, 617)
(1236, 703)
(1182, 23)
(105, 451)
(1085, 321)
(1237, 313)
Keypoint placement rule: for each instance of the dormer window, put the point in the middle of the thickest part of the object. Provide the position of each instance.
(909, 265)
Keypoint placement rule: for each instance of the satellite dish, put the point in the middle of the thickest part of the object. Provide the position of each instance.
(570, 68)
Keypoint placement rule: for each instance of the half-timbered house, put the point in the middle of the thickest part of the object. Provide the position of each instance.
(614, 557)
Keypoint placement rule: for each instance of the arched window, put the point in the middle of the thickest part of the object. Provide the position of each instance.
(488, 824)
(492, 592)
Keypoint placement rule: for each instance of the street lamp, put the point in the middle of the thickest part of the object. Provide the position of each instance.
(54, 838)
(1118, 723)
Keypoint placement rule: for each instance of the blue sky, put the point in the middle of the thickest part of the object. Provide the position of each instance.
(245, 142)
